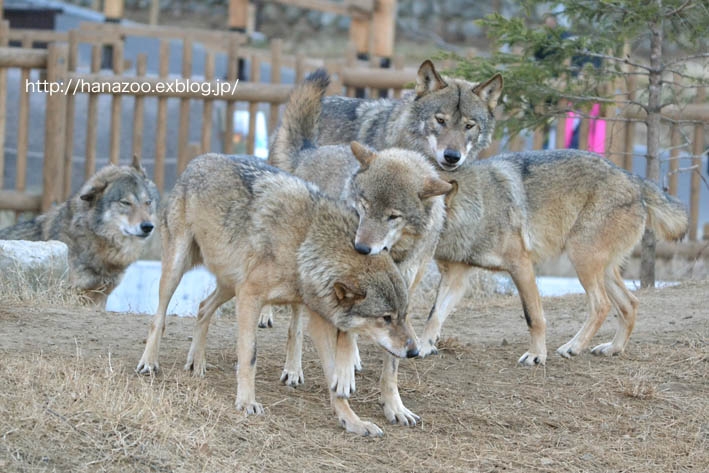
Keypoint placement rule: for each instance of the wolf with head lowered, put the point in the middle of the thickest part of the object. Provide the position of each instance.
(449, 120)
(271, 238)
(398, 198)
(105, 226)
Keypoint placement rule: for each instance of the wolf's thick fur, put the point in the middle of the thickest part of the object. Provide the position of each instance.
(518, 209)
(270, 238)
(449, 120)
(105, 226)
(398, 197)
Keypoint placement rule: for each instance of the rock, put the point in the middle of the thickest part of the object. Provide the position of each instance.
(33, 262)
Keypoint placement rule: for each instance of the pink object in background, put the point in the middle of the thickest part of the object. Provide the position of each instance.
(596, 130)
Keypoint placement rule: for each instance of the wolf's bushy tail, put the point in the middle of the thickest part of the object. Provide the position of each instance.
(29, 230)
(667, 216)
(299, 126)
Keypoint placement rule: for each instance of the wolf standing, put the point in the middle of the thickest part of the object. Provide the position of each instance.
(105, 226)
(449, 120)
(517, 209)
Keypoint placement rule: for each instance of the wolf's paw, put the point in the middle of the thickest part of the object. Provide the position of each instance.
(249, 408)
(266, 319)
(146, 366)
(357, 361)
(532, 359)
(606, 349)
(197, 366)
(569, 349)
(360, 427)
(428, 348)
(397, 413)
(344, 383)
(292, 378)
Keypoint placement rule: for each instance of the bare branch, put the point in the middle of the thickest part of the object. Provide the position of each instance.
(679, 9)
(618, 59)
(686, 58)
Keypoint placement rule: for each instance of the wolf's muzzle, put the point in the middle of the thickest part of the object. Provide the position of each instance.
(412, 353)
(362, 249)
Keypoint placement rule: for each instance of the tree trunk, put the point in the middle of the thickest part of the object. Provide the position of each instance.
(652, 173)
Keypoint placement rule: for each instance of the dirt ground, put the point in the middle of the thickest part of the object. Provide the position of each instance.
(72, 402)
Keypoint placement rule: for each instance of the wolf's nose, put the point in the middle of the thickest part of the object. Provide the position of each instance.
(147, 227)
(363, 249)
(413, 353)
(451, 156)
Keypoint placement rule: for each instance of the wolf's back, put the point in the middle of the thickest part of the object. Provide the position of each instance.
(667, 216)
(29, 230)
(299, 126)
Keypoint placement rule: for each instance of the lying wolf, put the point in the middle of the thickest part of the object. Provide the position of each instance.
(518, 209)
(399, 199)
(270, 238)
(106, 227)
(449, 120)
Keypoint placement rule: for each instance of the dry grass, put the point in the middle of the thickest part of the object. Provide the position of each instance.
(71, 401)
(38, 288)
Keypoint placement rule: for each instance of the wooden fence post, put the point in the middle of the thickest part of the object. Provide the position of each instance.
(23, 116)
(4, 32)
(253, 106)
(694, 188)
(232, 76)
(207, 105)
(138, 107)
(72, 63)
(92, 117)
(276, 49)
(113, 10)
(154, 12)
(161, 130)
(184, 127)
(52, 176)
(115, 137)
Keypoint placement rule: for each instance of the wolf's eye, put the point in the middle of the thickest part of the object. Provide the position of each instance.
(149, 202)
(387, 319)
(440, 120)
(393, 217)
(469, 126)
(125, 203)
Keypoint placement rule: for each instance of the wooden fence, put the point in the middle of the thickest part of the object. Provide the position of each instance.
(61, 64)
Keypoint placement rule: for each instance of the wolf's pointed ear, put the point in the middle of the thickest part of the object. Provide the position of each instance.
(451, 193)
(428, 79)
(347, 294)
(364, 155)
(135, 164)
(433, 186)
(490, 90)
(89, 193)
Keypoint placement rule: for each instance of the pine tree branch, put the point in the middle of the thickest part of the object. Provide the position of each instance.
(679, 9)
(618, 59)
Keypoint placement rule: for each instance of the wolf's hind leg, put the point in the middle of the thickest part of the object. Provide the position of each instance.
(178, 258)
(292, 374)
(266, 318)
(452, 288)
(590, 267)
(523, 276)
(248, 308)
(626, 305)
(196, 358)
(324, 336)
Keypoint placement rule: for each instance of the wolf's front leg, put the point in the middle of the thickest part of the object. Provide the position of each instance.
(346, 354)
(523, 276)
(248, 308)
(394, 409)
(196, 358)
(292, 374)
(324, 336)
(452, 288)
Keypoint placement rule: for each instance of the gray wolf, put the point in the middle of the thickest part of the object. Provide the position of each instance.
(106, 227)
(398, 197)
(518, 209)
(271, 238)
(449, 120)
